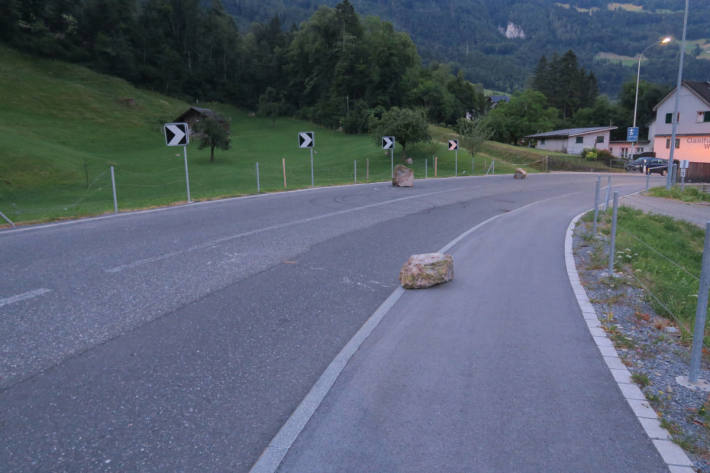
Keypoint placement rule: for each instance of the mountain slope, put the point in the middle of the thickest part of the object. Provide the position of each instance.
(498, 42)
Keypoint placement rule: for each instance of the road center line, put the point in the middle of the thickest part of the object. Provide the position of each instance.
(276, 451)
(217, 241)
(24, 296)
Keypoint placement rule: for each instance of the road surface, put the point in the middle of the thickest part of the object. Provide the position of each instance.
(182, 339)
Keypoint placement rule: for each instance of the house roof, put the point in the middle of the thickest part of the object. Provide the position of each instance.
(499, 98)
(623, 142)
(206, 112)
(566, 133)
(698, 88)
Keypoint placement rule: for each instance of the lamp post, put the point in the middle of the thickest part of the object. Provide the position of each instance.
(663, 41)
(674, 120)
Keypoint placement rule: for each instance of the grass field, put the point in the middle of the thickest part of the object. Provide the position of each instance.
(663, 255)
(690, 194)
(62, 126)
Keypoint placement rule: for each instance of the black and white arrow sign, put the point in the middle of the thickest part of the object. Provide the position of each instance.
(387, 142)
(176, 134)
(453, 145)
(306, 139)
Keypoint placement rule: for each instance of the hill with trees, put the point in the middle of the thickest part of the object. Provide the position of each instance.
(498, 42)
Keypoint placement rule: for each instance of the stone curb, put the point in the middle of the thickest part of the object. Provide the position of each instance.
(674, 456)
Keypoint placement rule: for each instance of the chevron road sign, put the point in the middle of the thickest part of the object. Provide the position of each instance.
(306, 139)
(387, 142)
(176, 134)
(453, 145)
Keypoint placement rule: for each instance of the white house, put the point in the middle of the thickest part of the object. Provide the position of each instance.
(573, 140)
(693, 133)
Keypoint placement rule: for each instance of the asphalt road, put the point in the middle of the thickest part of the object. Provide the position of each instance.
(181, 340)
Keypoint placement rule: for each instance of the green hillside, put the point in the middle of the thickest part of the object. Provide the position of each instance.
(62, 126)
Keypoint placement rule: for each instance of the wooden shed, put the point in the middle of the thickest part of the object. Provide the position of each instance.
(195, 114)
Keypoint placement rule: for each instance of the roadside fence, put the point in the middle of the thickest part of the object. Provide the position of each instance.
(669, 271)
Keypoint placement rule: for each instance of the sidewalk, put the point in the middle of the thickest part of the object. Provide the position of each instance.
(696, 213)
(493, 372)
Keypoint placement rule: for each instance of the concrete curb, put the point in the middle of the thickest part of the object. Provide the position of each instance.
(274, 453)
(672, 454)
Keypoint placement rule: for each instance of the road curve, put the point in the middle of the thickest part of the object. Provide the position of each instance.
(181, 340)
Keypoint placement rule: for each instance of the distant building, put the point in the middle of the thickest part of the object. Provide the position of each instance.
(573, 140)
(626, 149)
(693, 133)
(494, 100)
(194, 114)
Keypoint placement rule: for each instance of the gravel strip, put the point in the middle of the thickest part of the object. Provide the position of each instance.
(650, 345)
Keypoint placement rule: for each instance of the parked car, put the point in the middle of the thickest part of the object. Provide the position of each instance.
(637, 164)
(645, 154)
(653, 165)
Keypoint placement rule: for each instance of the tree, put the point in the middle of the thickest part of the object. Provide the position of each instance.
(525, 114)
(272, 104)
(213, 132)
(649, 95)
(473, 133)
(406, 125)
(567, 86)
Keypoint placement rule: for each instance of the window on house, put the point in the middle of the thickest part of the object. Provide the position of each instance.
(703, 117)
(668, 143)
(579, 140)
(669, 117)
(600, 139)
(542, 141)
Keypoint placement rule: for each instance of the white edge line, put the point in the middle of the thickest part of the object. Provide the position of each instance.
(272, 456)
(24, 296)
(263, 195)
(89, 219)
(672, 454)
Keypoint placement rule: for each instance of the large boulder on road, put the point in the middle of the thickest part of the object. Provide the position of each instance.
(426, 270)
(403, 176)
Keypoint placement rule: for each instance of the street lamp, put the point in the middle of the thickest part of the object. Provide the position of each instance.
(662, 42)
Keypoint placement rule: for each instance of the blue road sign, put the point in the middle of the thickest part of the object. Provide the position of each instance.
(632, 134)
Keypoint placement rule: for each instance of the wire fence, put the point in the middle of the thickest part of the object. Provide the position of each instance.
(660, 255)
(90, 192)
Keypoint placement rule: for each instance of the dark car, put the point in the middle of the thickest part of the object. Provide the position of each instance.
(657, 166)
(653, 165)
(645, 154)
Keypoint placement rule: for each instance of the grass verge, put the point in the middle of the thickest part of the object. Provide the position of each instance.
(690, 194)
(662, 255)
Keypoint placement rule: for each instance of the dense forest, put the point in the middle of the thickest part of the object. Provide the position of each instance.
(474, 35)
(334, 68)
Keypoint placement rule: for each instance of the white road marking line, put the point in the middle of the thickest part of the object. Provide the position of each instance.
(24, 296)
(217, 241)
(276, 451)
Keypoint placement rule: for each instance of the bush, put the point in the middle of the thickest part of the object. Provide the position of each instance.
(589, 154)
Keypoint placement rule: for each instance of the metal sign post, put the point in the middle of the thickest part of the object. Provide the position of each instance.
(187, 175)
(113, 187)
(683, 166)
(388, 143)
(178, 134)
(454, 146)
(700, 311)
(306, 139)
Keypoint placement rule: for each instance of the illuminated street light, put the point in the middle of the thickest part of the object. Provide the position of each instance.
(662, 42)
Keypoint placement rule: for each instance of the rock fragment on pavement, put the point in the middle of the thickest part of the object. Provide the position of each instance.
(426, 270)
(403, 176)
(520, 174)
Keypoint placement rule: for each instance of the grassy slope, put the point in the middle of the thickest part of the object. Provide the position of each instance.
(61, 122)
